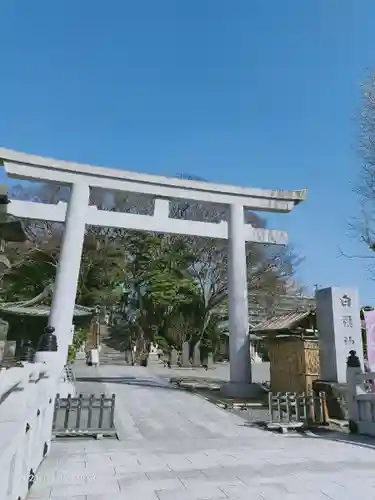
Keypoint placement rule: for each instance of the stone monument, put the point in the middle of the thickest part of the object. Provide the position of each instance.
(197, 354)
(339, 326)
(174, 357)
(186, 354)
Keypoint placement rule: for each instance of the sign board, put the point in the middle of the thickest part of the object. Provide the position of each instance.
(339, 326)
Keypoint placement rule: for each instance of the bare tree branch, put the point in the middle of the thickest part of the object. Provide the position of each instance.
(363, 226)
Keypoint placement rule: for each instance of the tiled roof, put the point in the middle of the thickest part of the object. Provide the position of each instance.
(39, 310)
(36, 306)
(282, 322)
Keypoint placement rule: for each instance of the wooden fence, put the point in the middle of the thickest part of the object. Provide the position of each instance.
(294, 410)
(85, 415)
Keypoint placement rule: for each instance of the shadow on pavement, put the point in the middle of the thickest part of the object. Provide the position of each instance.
(341, 437)
(326, 434)
(141, 382)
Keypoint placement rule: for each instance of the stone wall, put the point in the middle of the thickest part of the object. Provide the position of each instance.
(27, 396)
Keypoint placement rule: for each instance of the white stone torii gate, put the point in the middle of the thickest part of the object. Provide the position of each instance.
(77, 213)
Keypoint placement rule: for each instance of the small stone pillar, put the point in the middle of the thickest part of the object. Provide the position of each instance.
(210, 361)
(9, 350)
(186, 354)
(174, 357)
(197, 354)
(94, 356)
(353, 369)
(28, 352)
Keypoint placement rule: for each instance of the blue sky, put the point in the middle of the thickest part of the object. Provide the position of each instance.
(252, 92)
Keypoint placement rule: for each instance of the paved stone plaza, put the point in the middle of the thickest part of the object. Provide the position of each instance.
(177, 446)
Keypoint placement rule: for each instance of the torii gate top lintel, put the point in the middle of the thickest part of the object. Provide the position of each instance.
(31, 167)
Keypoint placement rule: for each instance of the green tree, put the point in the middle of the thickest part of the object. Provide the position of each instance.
(33, 265)
(158, 286)
(101, 274)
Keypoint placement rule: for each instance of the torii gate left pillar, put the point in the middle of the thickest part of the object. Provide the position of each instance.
(67, 273)
(78, 213)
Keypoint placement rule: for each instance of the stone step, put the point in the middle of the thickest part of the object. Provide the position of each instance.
(113, 354)
(113, 362)
(109, 355)
(110, 351)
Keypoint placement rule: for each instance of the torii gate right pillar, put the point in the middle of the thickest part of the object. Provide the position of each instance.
(240, 384)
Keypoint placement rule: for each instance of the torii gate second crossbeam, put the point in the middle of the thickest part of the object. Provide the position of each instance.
(77, 213)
